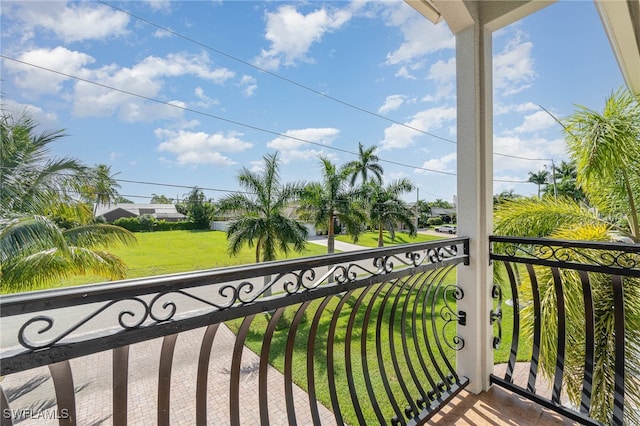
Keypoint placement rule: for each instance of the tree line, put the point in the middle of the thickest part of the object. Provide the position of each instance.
(351, 195)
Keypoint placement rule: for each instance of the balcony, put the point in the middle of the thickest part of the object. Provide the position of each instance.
(367, 337)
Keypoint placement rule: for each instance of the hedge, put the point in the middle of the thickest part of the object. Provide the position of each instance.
(149, 223)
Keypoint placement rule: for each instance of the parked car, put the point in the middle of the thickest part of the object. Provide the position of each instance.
(449, 229)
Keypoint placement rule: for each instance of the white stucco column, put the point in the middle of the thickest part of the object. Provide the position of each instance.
(475, 199)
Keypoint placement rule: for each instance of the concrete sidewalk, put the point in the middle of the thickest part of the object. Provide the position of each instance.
(321, 240)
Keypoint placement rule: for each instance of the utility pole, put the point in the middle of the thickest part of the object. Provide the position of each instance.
(555, 186)
(417, 201)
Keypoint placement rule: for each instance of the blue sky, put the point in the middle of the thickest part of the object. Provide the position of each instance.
(300, 78)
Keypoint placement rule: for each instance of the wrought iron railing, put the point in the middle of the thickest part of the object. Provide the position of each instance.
(573, 318)
(361, 337)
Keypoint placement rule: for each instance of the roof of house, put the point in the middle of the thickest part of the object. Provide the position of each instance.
(442, 211)
(160, 211)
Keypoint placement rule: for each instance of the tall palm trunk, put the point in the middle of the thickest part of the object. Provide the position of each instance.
(258, 250)
(633, 214)
(380, 235)
(330, 236)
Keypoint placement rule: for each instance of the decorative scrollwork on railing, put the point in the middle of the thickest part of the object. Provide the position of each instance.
(439, 254)
(564, 253)
(47, 323)
(496, 315)
(384, 264)
(450, 316)
(305, 279)
(42, 331)
(349, 273)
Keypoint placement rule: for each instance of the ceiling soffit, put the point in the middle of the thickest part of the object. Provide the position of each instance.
(461, 14)
(621, 21)
(620, 18)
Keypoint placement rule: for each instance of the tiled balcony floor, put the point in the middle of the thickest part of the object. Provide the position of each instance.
(495, 407)
(33, 390)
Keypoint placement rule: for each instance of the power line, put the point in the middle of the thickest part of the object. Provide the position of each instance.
(237, 123)
(273, 74)
(295, 83)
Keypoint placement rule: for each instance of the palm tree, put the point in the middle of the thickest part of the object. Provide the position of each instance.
(261, 219)
(34, 251)
(160, 199)
(539, 179)
(606, 150)
(566, 170)
(504, 195)
(324, 202)
(30, 179)
(566, 185)
(102, 188)
(367, 162)
(386, 209)
(568, 219)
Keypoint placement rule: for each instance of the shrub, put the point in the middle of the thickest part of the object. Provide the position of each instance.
(130, 224)
(149, 223)
(434, 221)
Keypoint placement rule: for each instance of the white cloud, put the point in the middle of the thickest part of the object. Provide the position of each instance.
(146, 78)
(513, 67)
(500, 108)
(443, 73)
(257, 166)
(248, 85)
(301, 155)
(538, 148)
(178, 64)
(162, 34)
(159, 5)
(292, 33)
(442, 164)
(397, 136)
(393, 176)
(535, 122)
(205, 101)
(73, 21)
(289, 147)
(200, 147)
(499, 186)
(43, 118)
(38, 80)
(421, 37)
(299, 137)
(392, 103)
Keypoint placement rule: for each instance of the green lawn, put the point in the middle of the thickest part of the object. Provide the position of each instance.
(166, 252)
(370, 238)
(300, 349)
(179, 251)
(158, 253)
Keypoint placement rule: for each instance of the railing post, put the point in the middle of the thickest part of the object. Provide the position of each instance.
(475, 200)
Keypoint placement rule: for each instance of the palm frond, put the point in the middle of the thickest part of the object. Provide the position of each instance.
(52, 265)
(22, 236)
(98, 235)
(533, 217)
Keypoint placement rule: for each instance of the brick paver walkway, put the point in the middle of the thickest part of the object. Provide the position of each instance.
(33, 389)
